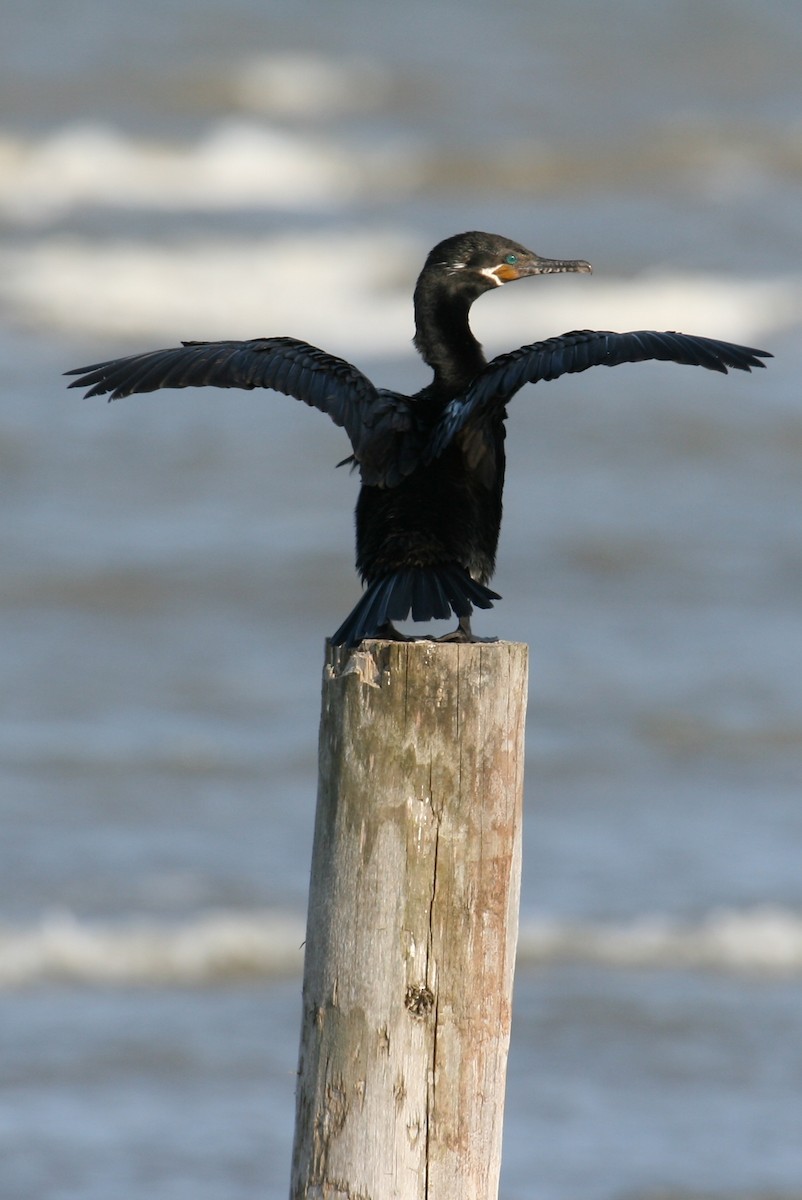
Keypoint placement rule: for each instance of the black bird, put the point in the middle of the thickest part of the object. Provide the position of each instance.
(432, 465)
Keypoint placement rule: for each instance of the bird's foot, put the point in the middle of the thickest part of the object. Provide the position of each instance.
(388, 633)
(463, 634)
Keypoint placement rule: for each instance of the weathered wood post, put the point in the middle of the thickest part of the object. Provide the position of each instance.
(413, 921)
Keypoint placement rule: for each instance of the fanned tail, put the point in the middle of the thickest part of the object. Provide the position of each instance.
(427, 593)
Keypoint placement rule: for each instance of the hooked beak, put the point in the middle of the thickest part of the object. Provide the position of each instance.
(535, 265)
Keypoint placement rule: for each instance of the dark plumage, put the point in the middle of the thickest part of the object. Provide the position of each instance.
(432, 465)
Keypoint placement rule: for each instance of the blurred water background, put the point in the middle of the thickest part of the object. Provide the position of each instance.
(172, 564)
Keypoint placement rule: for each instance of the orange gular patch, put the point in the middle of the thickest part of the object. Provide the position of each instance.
(505, 273)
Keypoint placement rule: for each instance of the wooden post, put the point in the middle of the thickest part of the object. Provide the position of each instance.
(413, 922)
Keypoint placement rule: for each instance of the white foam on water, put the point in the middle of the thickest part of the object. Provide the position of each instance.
(210, 949)
(307, 85)
(236, 164)
(217, 947)
(762, 940)
(320, 287)
(349, 292)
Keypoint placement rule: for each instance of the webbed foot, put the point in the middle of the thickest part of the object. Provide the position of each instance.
(464, 634)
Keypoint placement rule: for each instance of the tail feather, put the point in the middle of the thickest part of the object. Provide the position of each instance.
(463, 591)
(374, 605)
(441, 605)
(428, 593)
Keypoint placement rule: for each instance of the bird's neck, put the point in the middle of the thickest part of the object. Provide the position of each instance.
(443, 337)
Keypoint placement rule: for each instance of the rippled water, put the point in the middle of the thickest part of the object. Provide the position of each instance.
(172, 564)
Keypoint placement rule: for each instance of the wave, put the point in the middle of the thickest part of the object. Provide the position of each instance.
(230, 947)
(359, 301)
(236, 164)
(758, 941)
(249, 161)
(308, 85)
(213, 948)
(217, 287)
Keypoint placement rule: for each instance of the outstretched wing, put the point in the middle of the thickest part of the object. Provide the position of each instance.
(376, 421)
(577, 351)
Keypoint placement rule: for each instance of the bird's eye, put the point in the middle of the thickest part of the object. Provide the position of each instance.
(511, 259)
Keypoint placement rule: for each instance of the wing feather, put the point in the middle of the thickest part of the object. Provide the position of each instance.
(574, 352)
(379, 423)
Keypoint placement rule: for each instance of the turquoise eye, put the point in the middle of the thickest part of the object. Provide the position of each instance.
(511, 259)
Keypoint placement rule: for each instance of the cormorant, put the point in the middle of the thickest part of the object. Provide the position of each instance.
(432, 464)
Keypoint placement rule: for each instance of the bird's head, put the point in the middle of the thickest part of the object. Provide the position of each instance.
(455, 274)
(475, 262)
